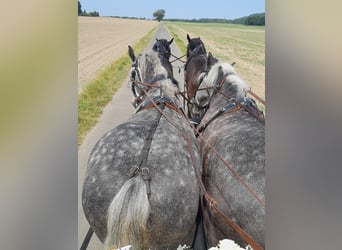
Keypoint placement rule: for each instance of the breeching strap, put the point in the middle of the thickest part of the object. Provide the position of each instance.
(145, 171)
(177, 58)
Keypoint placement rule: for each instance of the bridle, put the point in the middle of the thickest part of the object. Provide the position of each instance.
(162, 50)
(138, 84)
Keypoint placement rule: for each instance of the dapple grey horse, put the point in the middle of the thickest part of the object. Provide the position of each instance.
(197, 63)
(239, 138)
(140, 187)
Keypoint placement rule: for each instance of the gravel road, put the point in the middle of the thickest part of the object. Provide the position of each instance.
(116, 112)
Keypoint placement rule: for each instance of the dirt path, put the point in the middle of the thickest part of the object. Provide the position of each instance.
(101, 40)
(116, 112)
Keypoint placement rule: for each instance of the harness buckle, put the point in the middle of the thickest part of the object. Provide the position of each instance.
(145, 171)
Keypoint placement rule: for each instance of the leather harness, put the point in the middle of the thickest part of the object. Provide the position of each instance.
(235, 105)
(161, 102)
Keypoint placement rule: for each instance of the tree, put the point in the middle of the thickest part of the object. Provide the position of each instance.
(159, 14)
(79, 9)
(93, 13)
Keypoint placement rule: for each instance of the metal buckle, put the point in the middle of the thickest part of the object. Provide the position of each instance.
(145, 171)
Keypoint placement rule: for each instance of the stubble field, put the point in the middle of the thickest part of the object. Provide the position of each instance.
(102, 40)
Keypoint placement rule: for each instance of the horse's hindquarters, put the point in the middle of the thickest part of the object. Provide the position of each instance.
(239, 139)
(174, 191)
(174, 196)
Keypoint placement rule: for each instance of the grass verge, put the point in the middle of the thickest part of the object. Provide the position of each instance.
(181, 45)
(98, 92)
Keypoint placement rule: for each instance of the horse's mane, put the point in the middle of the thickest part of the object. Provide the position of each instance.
(234, 86)
(151, 66)
(155, 73)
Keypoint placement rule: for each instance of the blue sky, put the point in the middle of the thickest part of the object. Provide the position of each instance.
(187, 9)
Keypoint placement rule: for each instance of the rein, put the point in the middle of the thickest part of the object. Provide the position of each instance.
(249, 91)
(177, 58)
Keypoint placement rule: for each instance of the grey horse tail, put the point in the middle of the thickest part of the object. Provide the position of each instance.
(127, 216)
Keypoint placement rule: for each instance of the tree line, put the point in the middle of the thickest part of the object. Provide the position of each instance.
(254, 19)
(84, 12)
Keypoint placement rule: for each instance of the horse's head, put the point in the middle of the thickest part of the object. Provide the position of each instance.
(148, 74)
(195, 46)
(162, 46)
(222, 76)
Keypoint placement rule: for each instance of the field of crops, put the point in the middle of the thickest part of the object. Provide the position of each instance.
(244, 45)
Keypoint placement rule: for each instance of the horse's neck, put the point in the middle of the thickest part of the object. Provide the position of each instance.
(167, 88)
(220, 99)
(195, 55)
(154, 71)
(167, 65)
(229, 90)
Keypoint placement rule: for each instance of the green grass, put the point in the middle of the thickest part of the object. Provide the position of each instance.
(98, 92)
(180, 43)
(242, 44)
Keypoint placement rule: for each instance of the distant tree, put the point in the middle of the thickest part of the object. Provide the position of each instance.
(79, 9)
(255, 19)
(84, 12)
(159, 14)
(93, 13)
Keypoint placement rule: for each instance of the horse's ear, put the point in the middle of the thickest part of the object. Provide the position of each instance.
(188, 37)
(170, 41)
(131, 53)
(210, 56)
(220, 74)
(211, 60)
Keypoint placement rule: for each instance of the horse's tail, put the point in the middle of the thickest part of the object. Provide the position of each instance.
(127, 216)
